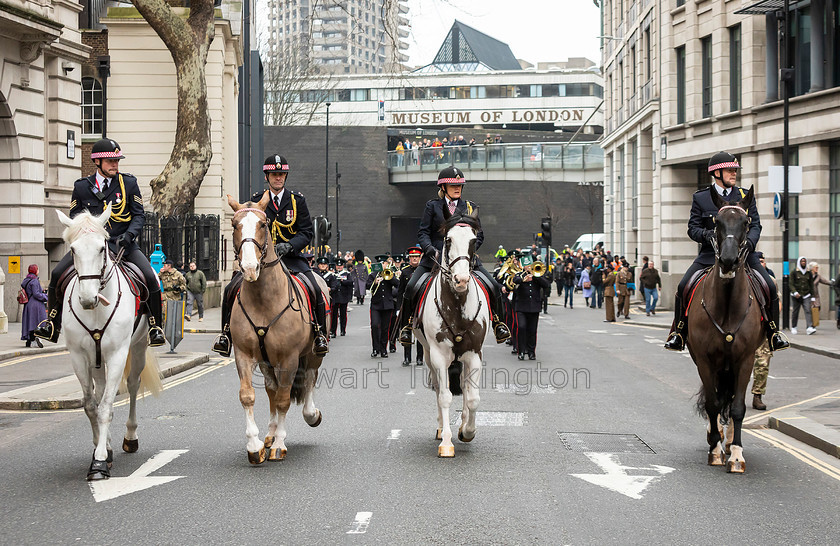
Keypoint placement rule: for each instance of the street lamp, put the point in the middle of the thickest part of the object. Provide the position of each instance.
(337, 226)
(327, 166)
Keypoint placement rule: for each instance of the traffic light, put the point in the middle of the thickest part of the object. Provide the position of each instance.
(545, 226)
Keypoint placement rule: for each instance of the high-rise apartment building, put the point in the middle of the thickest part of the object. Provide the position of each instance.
(338, 36)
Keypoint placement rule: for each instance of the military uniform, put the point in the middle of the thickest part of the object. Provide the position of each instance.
(609, 295)
(174, 284)
(621, 280)
(342, 294)
(124, 228)
(381, 309)
(528, 304)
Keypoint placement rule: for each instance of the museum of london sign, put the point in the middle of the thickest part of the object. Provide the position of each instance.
(471, 117)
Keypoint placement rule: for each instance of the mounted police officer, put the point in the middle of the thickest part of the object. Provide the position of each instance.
(291, 231)
(450, 183)
(723, 167)
(92, 194)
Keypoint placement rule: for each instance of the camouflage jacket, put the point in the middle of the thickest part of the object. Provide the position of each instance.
(173, 284)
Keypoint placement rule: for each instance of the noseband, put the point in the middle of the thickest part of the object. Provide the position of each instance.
(101, 277)
(262, 248)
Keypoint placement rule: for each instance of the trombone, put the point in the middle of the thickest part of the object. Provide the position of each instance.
(538, 269)
(387, 273)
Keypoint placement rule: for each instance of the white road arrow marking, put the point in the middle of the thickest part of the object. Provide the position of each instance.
(360, 524)
(139, 480)
(616, 477)
(395, 434)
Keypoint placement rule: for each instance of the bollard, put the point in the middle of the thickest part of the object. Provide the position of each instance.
(4, 318)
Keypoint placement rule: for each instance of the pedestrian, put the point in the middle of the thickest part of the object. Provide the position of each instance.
(814, 268)
(801, 286)
(34, 310)
(400, 154)
(172, 282)
(596, 277)
(585, 284)
(650, 281)
(557, 275)
(196, 286)
(569, 281)
(414, 254)
(609, 292)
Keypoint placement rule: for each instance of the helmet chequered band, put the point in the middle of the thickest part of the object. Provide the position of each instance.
(729, 165)
(99, 155)
(451, 181)
(277, 167)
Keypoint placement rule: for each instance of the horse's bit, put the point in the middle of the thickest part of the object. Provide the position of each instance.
(263, 248)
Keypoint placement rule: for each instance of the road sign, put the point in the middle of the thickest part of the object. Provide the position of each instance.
(14, 264)
(775, 178)
(777, 205)
(616, 477)
(139, 480)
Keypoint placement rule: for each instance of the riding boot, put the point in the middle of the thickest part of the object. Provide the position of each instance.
(676, 339)
(156, 337)
(500, 329)
(404, 321)
(222, 343)
(322, 344)
(777, 339)
(50, 328)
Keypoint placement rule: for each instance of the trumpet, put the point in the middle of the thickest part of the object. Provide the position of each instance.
(538, 269)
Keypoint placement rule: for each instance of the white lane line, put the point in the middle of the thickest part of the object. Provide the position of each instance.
(410, 393)
(597, 331)
(395, 434)
(360, 524)
(792, 377)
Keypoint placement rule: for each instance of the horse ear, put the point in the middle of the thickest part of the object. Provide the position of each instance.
(63, 218)
(748, 199)
(234, 204)
(716, 198)
(263, 203)
(105, 216)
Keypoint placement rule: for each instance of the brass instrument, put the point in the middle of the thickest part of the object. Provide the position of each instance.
(538, 269)
(510, 268)
(388, 274)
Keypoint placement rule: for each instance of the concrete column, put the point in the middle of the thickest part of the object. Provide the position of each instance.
(772, 72)
(817, 49)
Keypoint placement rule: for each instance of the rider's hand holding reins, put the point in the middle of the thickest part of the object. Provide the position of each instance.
(281, 249)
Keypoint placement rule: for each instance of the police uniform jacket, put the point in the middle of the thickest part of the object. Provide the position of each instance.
(382, 295)
(527, 295)
(290, 223)
(127, 214)
(701, 223)
(343, 292)
(430, 238)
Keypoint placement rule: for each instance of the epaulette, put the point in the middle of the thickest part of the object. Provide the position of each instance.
(297, 193)
(704, 189)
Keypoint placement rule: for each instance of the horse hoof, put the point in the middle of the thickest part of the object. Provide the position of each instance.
(439, 434)
(715, 459)
(97, 476)
(131, 446)
(98, 471)
(446, 451)
(276, 454)
(110, 458)
(257, 458)
(317, 421)
(464, 438)
(736, 467)
(269, 441)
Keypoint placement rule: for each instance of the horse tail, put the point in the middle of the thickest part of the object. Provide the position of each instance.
(455, 377)
(725, 382)
(299, 384)
(150, 376)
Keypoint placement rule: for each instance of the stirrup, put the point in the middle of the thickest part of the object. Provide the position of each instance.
(501, 331)
(47, 330)
(675, 342)
(156, 336)
(222, 344)
(779, 341)
(406, 336)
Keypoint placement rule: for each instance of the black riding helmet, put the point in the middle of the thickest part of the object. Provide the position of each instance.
(275, 163)
(106, 149)
(451, 175)
(722, 160)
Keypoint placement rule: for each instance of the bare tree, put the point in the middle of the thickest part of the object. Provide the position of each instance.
(592, 196)
(188, 41)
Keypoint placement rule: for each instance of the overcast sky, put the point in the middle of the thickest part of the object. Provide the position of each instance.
(535, 30)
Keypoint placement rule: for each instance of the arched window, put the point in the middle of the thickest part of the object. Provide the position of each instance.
(91, 107)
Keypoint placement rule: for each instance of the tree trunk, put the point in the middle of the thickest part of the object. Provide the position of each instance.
(188, 41)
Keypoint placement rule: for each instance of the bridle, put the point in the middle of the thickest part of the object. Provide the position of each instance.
(262, 248)
(102, 277)
(446, 266)
(743, 248)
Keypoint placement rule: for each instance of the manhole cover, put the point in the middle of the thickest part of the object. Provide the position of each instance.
(495, 419)
(602, 442)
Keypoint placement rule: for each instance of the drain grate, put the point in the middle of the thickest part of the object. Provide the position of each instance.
(603, 442)
(494, 419)
(507, 388)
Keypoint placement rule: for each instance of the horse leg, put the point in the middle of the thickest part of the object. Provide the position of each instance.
(736, 463)
(281, 403)
(311, 414)
(271, 391)
(440, 361)
(472, 378)
(105, 413)
(256, 451)
(138, 361)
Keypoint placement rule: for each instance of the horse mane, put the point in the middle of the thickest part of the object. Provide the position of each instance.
(455, 219)
(83, 223)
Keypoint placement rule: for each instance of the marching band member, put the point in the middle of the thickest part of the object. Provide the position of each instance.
(341, 296)
(381, 306)
(528, 303)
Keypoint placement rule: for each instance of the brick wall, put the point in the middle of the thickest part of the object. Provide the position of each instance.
(510, 211)
(98, 41)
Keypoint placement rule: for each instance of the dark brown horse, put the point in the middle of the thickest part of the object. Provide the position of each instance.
(724, 325)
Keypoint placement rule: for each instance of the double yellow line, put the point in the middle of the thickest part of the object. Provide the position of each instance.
(221, 364)
(31, 357)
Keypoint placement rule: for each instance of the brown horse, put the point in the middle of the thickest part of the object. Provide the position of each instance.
(724, 325)
(271, 326)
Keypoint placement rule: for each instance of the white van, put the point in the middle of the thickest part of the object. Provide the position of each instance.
(587, 241)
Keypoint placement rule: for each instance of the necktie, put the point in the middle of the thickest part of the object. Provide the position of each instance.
(452, 207)
(104, 185)
(725, 194)
(277, 202)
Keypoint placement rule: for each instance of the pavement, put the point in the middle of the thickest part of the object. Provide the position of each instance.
(815, 422)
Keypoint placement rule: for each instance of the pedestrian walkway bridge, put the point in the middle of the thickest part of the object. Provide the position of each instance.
(550, 162)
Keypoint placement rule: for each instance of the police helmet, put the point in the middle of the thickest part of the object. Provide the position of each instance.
(106, 148)
(275, 163)
(451, 175)
(722, 160)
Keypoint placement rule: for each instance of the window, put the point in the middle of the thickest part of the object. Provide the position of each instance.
(634, 180)
(621, 84)
(633, 71)
(735, 68)
(834, 209)
(706, 52)
(680, 53)
(358, 95)
(91, 107)
(647, 55)
(793, 211)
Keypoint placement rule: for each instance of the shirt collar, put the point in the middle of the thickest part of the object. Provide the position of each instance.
(101, 179)
(448, 201)
(720, 190)
(279, 196)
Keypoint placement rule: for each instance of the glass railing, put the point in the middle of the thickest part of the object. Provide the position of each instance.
(554, 156)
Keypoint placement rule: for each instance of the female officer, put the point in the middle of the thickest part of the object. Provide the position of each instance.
(450, 184)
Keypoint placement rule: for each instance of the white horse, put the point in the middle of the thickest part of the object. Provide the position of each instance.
(99, 326)
(453, 322)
